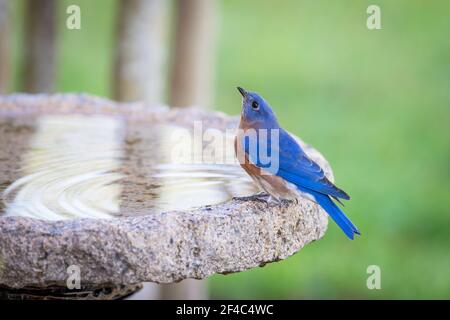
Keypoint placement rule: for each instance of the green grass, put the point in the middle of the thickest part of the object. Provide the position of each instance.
(375, 103)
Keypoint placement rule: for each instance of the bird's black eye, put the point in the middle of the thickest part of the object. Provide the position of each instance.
(255, 105)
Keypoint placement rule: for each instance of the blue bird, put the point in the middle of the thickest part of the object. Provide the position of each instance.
(278, 164)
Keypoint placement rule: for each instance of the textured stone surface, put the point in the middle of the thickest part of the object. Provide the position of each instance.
(164, 247)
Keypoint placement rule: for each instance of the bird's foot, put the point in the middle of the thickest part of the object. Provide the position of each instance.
(273, 201)
(289, 201)
(262, 196)
(268, 199)
(281, 201)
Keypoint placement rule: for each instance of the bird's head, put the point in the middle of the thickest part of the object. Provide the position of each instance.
(256, 111)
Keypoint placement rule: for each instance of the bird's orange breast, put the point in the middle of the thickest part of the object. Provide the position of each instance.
(272, 184)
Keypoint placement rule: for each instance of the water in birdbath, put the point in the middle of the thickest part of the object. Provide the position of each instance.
(73, 166)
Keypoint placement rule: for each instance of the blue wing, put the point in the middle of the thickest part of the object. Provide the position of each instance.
(296, 167)
(293, 164)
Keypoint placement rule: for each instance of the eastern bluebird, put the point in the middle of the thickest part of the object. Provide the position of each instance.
(290, 173)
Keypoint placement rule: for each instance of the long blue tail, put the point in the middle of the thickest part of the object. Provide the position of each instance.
(337, 214)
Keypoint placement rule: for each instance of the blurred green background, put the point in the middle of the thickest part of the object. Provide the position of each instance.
(374, 102)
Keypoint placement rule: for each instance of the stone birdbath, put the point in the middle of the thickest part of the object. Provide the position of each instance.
(97, 197)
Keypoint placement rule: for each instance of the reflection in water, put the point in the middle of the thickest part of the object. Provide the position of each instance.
(100, 167)
(70, 170)
(192, 185)
(192, 171)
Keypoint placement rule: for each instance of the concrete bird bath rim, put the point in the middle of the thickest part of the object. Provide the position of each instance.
(162, 246)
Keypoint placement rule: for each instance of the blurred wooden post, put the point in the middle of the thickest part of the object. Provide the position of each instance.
(191, 81)
(139, 67)
(5, 46)
(40, 46)
(139, 70)
(140, 52)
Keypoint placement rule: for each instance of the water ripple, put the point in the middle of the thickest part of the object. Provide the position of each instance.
(70, 170)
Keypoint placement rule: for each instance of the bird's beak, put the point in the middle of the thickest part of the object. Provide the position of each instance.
(242, 91)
